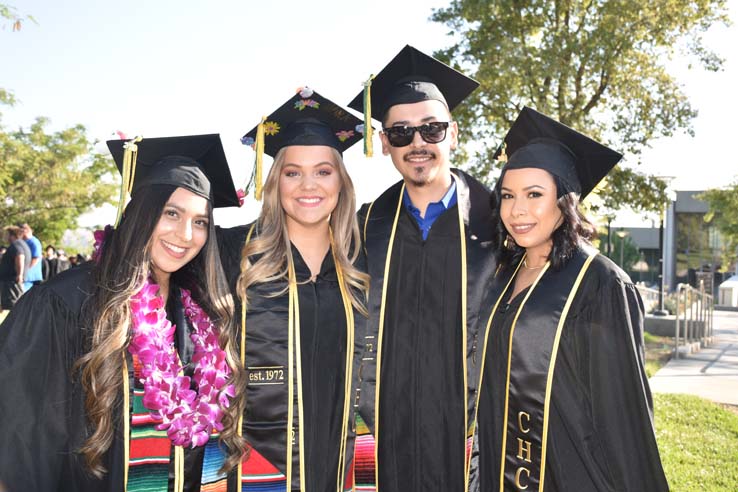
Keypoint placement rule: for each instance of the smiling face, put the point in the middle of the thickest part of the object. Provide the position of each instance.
(421, 163)
(529, 210)
(180, 234)
(309, 186)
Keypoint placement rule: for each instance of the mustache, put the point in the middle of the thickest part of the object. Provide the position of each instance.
(418, 153)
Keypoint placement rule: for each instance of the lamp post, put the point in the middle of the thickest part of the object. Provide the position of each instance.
(670, 196)
(609, 235)
(621, 234)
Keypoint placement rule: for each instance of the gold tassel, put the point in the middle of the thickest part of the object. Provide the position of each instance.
(368, 130)
(259, 158)
(130, 153)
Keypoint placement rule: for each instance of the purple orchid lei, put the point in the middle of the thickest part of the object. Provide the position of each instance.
(188, 416)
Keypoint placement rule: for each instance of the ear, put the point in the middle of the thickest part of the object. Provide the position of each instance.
(453, 130)
(385, 143)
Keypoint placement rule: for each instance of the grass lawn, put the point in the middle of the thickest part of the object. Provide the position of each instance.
(658, 352)
(698, 441)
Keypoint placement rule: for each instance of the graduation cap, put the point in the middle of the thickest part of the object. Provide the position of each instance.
(411, 76)
(535, 140)
(307, 118)
(195, 162)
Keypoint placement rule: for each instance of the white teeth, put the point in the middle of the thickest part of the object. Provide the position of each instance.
(308, 200)
(174, 248)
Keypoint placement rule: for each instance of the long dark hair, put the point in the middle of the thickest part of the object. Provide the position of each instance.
(574, 230)
(123, 267)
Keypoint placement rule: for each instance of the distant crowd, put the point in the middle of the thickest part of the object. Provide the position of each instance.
(24, 263)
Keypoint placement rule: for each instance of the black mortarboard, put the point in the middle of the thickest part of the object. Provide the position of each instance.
(535, 140)
(307, 118)
(412, 76)
(194, 162)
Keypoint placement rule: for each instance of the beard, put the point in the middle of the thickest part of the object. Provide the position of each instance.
(420, 176)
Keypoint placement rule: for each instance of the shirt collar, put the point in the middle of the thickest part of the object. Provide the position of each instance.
(448, 200)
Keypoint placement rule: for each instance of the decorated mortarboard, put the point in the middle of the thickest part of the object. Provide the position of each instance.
(307, 118)
(535, 140)
(195, 162)
(411, 77)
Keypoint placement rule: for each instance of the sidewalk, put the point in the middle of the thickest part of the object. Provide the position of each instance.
(712, 372)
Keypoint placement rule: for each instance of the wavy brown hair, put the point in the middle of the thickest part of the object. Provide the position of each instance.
(271, 244)
(575, 229)
(120, 273)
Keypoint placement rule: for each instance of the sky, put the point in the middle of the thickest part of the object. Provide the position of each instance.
(161, 68)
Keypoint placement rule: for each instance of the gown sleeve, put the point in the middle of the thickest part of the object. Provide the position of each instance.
(36, 356)
(622, 408)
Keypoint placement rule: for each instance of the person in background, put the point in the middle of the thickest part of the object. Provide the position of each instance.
(34, 275)
(46, 261)
(13, 267)
(62, 261)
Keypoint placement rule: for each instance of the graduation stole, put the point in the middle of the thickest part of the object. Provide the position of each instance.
(294, 382)
(532, 350)
(147, 450)
(366, 466)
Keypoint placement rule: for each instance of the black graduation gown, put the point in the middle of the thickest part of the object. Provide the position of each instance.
(600, 432)
(421, 407)
(42, 416)
(323, 352)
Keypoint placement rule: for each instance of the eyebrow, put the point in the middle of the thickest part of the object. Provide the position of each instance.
(329, 163)
(526, 188)
(182, 210)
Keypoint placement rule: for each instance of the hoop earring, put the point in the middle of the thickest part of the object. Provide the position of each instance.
(509, 242)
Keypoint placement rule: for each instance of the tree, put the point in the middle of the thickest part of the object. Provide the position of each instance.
(723, 204)
(49, 179)
(595, 65)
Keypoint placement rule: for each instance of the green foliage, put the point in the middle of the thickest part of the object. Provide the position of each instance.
(595, 65)
(11, 14)
(722, 215)
(49, 179)
(698, 441)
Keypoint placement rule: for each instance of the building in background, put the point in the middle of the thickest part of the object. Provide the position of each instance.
(692, 248)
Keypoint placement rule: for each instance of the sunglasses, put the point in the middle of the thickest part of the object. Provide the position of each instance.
(400, 136)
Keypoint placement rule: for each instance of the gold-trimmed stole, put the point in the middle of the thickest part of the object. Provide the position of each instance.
(531, 359)
(294, 374)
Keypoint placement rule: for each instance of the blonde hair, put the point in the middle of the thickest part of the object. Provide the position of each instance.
(271, 244)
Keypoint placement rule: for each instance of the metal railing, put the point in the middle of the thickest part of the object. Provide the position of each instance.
(694, 316)
(650, 297)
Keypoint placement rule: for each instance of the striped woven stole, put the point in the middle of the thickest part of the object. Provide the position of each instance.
(364, 453)
(148, 463)
(150, 450)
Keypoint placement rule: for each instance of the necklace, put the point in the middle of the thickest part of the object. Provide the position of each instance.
(525, 265)
(188, 416)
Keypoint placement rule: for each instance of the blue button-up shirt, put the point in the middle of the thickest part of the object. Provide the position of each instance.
(433, 211)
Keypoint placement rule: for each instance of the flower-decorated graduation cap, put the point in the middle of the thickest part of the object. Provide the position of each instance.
(411, 77)
(307, 118)
(195, 162)
(535, 140)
